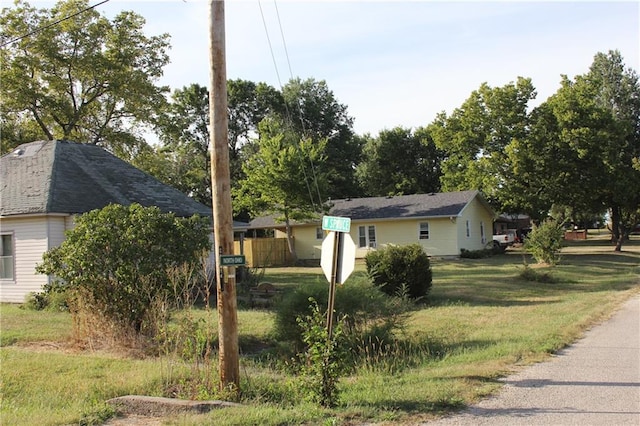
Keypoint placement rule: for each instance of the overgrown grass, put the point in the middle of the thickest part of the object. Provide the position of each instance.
(483, 320)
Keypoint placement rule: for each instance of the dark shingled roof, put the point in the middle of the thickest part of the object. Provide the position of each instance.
(442, 204)
(69, 177)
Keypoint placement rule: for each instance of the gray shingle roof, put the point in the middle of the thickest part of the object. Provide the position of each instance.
(69, 177)
(442, 204)
(404, 206)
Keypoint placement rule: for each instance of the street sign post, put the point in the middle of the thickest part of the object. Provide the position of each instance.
(346, 259)
(337, 258)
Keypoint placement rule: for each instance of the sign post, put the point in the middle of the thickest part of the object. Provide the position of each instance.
(337, 258)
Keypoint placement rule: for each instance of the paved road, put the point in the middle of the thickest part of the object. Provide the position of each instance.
(596, 381)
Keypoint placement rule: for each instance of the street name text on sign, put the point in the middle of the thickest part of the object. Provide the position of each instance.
(232, 260)
(335, 223)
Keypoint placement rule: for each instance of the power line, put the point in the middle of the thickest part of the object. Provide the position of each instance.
(286, 52)
(287, 112)
(44, 27)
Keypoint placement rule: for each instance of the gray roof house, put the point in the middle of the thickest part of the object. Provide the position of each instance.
(44, 184)
(443, 223)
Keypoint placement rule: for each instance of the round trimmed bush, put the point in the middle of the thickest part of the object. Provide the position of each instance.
(403, 271)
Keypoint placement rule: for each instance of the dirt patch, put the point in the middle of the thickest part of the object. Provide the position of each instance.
(150, 411)
(135, 420)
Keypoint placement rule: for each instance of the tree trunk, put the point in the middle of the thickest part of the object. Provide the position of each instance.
(290, 244)
(615, 224)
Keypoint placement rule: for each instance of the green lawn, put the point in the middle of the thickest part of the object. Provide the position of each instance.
(483, 321)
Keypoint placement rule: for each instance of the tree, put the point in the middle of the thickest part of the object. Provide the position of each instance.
(581, 147)
(183, 128)
(618, 92)
(475, 136)
(400, 161)
(86, 78)
(184, 134)
(278, 178)
(117, 259)
(15, 130)
(314, 112)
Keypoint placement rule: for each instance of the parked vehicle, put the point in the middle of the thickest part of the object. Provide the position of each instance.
(504, 240)
(523, 234)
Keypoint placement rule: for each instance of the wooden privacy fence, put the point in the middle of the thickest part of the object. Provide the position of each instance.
(575, 235)
(265, 252)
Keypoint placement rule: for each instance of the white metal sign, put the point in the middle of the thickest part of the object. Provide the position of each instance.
(346, 261)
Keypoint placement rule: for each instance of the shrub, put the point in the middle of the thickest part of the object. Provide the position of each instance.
(401, 270)
(114, 262)
(368, 314)
(477, 254)
(545, 241)
(324, 358)
(52, 298)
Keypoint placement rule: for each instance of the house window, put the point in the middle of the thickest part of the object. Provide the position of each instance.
(367, 236)
(423, 232)
(319, 233)
(6, 257)
(468, 229)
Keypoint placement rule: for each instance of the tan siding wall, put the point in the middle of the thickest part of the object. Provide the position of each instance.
(447, 236)
(307, 246)
(475, 213)
(441, 242)
(443, 239)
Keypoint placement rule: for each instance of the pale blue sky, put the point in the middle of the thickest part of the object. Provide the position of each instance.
(395, 63)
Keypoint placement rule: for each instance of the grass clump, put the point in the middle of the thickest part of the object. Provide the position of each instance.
(368, 314)
(535, 275)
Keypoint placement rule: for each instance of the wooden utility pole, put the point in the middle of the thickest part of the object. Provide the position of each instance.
(221, 194)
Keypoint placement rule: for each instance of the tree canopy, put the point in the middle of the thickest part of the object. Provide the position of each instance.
(399, 161)
(283, 176)
(315, 113)
(86, 78)
(474, 137)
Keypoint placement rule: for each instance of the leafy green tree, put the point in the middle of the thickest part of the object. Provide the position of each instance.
(184, 133)
(400, 161)
(116, 260)
(278, 179)
(581, 147)
(315, 113)
(475, 136)
(617, 90)
(183, 128)
(15, 130)
(86, 78)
